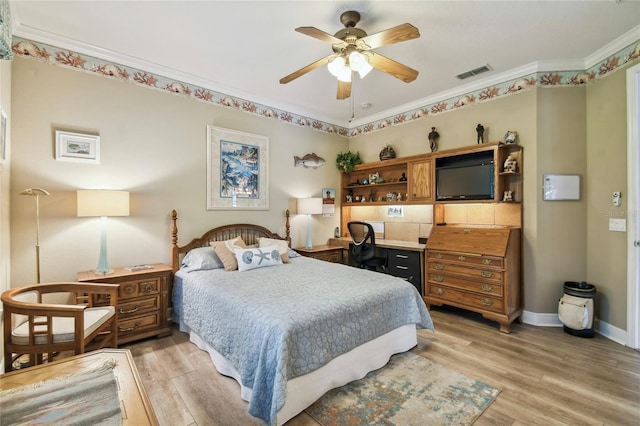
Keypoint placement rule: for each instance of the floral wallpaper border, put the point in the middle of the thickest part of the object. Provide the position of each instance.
(67, 58)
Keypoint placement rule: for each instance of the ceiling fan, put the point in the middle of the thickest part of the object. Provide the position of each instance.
(352, 51)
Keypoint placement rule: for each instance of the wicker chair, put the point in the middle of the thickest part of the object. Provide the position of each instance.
(34, 328)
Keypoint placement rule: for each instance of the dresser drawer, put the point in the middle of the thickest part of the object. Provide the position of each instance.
(487, 275)
(135, 307)
(144, 287)
(486, 303)
(470, 259)
(334, 256)
(492, 289)
(135, 325)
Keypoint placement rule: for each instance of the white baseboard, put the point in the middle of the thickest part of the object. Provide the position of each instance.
(551, 320)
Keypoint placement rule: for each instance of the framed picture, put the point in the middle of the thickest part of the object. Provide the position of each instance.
(373, 177)
(77, 147)
(237, 170)
(3, 136)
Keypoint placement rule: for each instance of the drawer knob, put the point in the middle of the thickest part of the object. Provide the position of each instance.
(487, 287)
(148, 288)
(486, 274)
(439, 256)
(439, 266)
(487, 261)
(487, 302)
(439, 278)
(466, 230)
(130, 311)
(124, 330)
(462, 258)
(439, 291)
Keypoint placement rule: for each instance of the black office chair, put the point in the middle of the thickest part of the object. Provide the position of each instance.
(364, 247)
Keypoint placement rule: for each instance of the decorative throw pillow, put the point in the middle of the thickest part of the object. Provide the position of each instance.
(225, 251)
(257, 258)
(283, 247)
(200, 259)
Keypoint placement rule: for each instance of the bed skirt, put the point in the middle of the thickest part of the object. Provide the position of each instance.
(304, 390)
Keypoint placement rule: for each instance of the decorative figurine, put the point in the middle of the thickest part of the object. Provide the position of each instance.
(372, 196)
(507, 196)
(510, 165)
(510, 137)
(433, 139)
(399, 197)
(403, 178)
(480, 131)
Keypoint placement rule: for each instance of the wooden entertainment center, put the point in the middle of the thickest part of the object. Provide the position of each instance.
(471, 263)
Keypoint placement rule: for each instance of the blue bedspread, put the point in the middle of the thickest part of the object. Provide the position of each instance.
(274, 324)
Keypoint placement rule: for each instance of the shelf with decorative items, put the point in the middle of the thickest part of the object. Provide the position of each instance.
(509, 180)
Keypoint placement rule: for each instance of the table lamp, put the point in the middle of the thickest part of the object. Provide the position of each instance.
(309, 206)
(103, 203)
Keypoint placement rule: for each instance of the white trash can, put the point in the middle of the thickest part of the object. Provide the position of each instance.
(575, 308)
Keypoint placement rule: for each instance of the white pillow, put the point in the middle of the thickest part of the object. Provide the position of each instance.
(201, 258)
(282, 245)
(260, 257)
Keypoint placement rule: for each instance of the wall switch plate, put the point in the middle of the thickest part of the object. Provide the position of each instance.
(619, 225)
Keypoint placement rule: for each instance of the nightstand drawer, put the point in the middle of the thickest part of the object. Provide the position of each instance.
(138, 324)
(139, 288)
(138, 306)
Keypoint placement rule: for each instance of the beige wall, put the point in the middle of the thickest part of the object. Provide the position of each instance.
(563, 130)
(607, 164)
(5, 168)
(154, 145)
(580, 130)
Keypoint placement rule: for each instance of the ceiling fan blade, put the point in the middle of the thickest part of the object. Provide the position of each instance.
(392, 67)
(393, 35)
(344, 90)
(308, 68)
(321, 35)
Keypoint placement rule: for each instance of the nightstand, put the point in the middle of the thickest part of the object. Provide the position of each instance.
(326, 253)
(143, 300)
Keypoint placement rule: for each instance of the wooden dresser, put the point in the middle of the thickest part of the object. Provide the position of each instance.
(475, 268)
(143, 300)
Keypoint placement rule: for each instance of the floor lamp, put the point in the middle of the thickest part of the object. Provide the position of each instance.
(103, 203)
(309, 206)
(36, 193)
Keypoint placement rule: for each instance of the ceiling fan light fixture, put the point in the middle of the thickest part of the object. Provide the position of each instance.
(364, 69)
(345, 75)
(356, 60)
(337, 66)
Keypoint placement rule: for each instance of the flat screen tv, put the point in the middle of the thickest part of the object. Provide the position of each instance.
(465, 177)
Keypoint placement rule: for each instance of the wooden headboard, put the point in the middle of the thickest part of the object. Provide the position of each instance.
(250, 235)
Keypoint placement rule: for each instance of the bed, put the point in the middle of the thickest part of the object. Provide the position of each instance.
(290, 331)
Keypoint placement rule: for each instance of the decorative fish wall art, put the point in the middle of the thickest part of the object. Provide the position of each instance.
(309, 160)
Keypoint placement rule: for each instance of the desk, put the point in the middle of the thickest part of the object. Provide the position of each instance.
(134, 402)
(405, 259)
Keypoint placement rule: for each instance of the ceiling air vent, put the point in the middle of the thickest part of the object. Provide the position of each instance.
(473, 72)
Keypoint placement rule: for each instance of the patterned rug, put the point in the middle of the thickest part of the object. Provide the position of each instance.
(409, 390)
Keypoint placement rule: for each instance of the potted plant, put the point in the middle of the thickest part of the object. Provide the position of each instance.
(347, 161)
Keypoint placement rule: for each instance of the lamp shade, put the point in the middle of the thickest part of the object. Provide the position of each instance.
(309, 205)
(102, 202)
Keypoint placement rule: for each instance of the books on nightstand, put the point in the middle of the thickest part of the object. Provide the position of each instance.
(138, 267)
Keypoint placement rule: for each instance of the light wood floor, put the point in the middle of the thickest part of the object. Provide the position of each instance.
(547, 377)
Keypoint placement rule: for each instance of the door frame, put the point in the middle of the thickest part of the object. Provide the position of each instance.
(633, 210)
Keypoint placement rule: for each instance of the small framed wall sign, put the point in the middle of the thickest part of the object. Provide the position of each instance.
(77, 147)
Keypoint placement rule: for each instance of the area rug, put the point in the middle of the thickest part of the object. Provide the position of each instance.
(409, 390)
